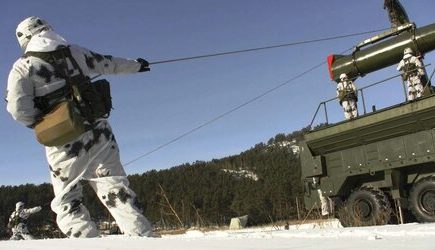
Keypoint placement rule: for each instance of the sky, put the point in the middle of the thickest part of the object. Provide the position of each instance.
(321, 235)
(153, 108)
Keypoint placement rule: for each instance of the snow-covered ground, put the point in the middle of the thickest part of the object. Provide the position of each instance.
(327, 235)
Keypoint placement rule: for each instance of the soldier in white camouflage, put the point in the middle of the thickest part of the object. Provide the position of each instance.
(94, 155)
(18, 221)
(413, 73)
(347, 96)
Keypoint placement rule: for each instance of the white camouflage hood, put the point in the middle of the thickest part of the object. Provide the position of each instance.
(46, 41)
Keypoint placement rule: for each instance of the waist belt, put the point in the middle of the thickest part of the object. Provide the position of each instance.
(47, 102)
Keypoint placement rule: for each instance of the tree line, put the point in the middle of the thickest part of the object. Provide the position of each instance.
(262, 182)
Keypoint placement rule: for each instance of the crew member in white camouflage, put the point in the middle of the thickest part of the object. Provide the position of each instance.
(347, 96)
(412, 73)
(17, 221)
(94, 155)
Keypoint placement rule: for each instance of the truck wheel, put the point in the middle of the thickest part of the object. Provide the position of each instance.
(366, 207)
(422, 199)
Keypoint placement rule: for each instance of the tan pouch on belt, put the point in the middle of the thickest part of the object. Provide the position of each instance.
(60, 126)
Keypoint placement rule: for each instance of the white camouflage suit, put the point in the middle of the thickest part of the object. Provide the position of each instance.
(413, 78)
(93, 156)
(348, 102)
(17, 222)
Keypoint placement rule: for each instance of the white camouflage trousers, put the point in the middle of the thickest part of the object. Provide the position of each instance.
(350, 109)
(93, 157)
(20, 232)
(415, 88)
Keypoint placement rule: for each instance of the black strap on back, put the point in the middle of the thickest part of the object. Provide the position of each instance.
(71, 90)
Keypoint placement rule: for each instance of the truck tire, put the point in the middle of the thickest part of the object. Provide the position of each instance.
(422, 199)
(366, 207)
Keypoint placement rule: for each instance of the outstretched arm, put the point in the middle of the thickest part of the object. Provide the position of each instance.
(107, 64)
(32, 210)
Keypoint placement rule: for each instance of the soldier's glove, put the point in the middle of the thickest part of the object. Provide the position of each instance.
(144, 65)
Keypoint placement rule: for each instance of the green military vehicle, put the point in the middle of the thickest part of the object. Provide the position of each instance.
(383, 162)
(370, 161)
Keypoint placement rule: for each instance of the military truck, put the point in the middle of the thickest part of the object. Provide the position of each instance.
(367, 167)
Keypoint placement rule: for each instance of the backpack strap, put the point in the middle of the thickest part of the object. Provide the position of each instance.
(47, 102)
(72, 89)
